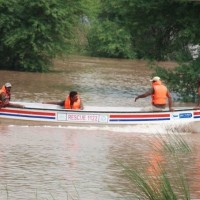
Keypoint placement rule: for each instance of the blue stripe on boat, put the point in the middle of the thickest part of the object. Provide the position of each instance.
(129, 120)
(28, 116)
(197, 116)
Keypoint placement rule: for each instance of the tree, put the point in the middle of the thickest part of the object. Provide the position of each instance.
(34, 32)
(158, 29)
(109, 40)
(106, 38)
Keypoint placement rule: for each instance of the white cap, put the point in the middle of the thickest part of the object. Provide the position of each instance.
(156, 78)
(8, 85)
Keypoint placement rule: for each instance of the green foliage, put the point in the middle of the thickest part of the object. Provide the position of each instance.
(156, 29)
(80, 41)
(34, 32)
(91, 8)
(182, 80)
(162, 183)
(175, 142)
(109, 40)
(161, 186)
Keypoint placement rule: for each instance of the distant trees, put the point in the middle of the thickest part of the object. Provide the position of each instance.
(156, 29)
(108, 39)
(34, 32)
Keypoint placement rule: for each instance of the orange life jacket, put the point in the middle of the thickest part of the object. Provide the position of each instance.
(7, 96)
(160, 93)
(76, 104)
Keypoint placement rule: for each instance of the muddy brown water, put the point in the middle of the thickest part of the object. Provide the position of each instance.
(45, 162)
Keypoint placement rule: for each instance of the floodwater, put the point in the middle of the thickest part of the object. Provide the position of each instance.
(83, 163)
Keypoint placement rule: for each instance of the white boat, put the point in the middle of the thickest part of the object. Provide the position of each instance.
(46, 114)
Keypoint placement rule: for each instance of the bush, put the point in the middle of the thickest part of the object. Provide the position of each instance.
(182, 80)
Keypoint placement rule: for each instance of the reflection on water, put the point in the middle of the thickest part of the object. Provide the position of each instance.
(41, 162)
(75, 162)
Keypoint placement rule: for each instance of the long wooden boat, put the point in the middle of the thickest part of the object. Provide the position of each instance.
(52, 114)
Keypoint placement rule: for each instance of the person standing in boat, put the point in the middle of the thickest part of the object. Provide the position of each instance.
(72, 101)
(159, 94)
(5, 96)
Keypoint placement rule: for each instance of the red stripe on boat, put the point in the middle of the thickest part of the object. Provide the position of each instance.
(27, 112)
(140, 116)
(197, 113)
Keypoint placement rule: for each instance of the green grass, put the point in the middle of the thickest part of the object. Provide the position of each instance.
(164, 184)
(173, 143)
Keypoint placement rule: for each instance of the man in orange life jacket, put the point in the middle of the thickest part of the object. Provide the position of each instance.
(159, 93)
(72, 101)
(5, 96)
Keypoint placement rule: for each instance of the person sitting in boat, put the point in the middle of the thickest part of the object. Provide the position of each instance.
(5, 96)
(72, 101)
(159, 93)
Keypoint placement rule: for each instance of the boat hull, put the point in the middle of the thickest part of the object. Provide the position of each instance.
(42, 114)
